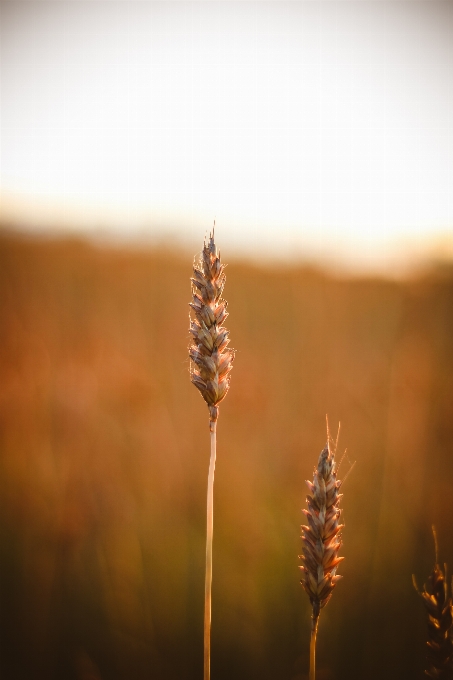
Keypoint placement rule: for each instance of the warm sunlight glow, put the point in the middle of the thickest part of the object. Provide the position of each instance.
(319, 129)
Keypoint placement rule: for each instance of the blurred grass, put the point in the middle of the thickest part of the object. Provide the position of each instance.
(104, 455)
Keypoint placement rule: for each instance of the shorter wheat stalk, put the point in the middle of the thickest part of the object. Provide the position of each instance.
(439, 605)
(321, 539)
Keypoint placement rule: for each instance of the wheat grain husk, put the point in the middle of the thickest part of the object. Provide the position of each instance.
(211, 361)
(321, 536)
(437, 599)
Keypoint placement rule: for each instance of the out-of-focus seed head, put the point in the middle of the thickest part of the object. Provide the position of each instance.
(321, 536)
(439, 606)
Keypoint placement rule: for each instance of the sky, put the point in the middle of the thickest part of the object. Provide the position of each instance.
(318, 129)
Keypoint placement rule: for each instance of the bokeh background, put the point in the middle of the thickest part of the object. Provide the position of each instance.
(105, 449)
(319, 135)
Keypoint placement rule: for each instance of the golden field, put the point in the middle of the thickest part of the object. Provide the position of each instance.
(104, 451)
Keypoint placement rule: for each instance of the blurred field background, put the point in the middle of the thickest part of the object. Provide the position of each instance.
(104, 460)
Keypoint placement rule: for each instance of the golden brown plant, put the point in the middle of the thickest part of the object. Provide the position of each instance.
(212, 362)
(321, 539)
(439, 605)
(211, 365)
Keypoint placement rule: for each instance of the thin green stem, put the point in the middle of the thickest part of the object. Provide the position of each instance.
(208, 576)
(314, 631)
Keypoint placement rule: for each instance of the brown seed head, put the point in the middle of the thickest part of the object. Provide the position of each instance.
(211, 360)
(439, 605)
(321, 537)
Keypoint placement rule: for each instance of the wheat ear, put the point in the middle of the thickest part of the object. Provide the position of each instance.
(321, 539)
(211, 364)
(439, 605)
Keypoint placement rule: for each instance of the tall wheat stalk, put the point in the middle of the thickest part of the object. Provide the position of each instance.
(439, 606)
(210, 368)
(321, 539)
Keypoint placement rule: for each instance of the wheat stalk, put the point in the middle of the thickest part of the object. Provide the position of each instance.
(210, 368)
(439, 605)
(321, 539)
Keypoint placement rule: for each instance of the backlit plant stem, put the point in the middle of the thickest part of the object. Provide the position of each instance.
(210, 369)
(209, 533)
(314, 632)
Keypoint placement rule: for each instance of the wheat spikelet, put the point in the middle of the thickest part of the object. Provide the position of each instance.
(439, 605)
(211, 361)
(321, 538)
(210, 368)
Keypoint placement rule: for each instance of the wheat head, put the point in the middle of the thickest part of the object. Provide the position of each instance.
(439, 606)
(321, 537)
(211, 360)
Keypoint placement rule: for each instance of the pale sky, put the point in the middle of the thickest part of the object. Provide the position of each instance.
(320, 128)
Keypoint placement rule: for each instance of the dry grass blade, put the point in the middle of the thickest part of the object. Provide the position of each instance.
(210, 368)
(321, 538)
(439, 606)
